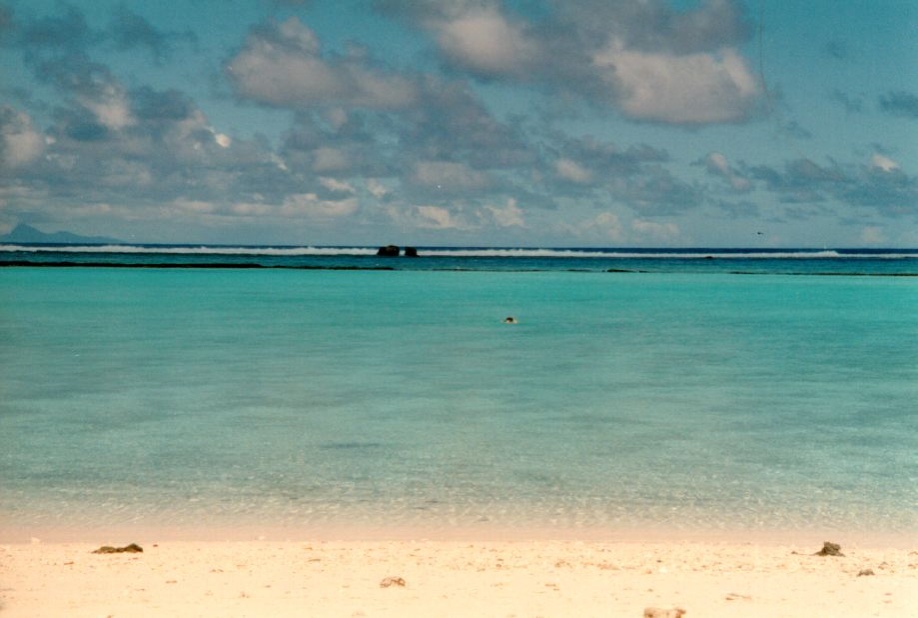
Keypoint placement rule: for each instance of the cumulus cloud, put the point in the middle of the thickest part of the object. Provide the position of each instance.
(652, 62)
(484, 41)
(716, 164)
(605, 225)
(509, 215)
(873, 235)
(448, 176)
(882, 162)
(657, 231)
(20, 142)
(281, 65)
(900, 103)
(428, 217)
(572, 171)
(700, 88)
(129, 30)
(310, 205)
(879, 185)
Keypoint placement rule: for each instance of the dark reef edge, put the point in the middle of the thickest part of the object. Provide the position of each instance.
(257, 266)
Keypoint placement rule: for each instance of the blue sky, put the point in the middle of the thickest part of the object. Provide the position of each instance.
(467, 122)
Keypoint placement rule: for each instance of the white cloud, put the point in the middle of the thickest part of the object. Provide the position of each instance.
(20, 143)
(110, 106)
(326, 159)
(483, 40)
(333, 184)
(309, 205)
(283, 67)
(510, 215)
(377, 189)
(717, 164)
(436, 217)
(881, 162)
(656, 231)
(695, 88)
(572, 171)
(608, 225)
(449, 175)
(873, 235)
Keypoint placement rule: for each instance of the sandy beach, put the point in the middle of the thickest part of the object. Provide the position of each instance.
(269, 576)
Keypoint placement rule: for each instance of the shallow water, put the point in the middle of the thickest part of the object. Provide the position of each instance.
(310, 398)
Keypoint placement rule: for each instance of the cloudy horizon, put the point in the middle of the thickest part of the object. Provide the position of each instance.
(469, 122)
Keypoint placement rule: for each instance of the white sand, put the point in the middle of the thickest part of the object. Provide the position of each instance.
(278, 578)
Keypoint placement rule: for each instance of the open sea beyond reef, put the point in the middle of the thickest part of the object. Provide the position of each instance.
(697, 390)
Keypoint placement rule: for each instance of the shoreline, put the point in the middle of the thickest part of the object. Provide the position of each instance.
(457, 577)
(17, 533)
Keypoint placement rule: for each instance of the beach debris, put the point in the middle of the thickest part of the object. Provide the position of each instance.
(733, 596)
(133, 548)
(664, 612)
(829, 549)
(392, 581)
(865, 572)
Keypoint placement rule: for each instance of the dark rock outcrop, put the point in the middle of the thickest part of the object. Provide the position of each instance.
(411, 252)
(133, 548)
(830, 549)
(388, 251)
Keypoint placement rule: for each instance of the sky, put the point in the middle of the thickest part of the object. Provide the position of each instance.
(526, 123)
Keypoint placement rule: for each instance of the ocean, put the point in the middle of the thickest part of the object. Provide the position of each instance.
(315, 387)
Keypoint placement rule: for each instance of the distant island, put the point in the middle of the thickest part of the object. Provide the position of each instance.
(23, 233)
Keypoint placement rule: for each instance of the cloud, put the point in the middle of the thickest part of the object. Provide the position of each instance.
(700, 88)
(873, 235)
(655, 230)
(67, 32)
(572, 171)
(605, 226)
(485, 42)
(281, 65)
(879, 185)
(510, 215)
(448, 176)
(851, 104)
(427, 217)
(883, 163)
(900, 103)
(20, 142)
(310, 205)
(716, 164)
(128, 30)
(650, 61)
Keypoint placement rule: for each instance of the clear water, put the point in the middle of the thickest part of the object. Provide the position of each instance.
(321, 397)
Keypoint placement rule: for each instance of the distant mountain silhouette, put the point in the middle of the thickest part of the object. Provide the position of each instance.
(23, 233)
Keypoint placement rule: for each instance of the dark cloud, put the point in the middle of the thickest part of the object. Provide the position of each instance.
(128, 30)
(853, 104)
(739, 210)
(648, 60)
(65, 33)
(795, 130)
(6, 21)
(840, 50)
(162, 106)
(656, 26)
(900, 103)
(881, 186)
